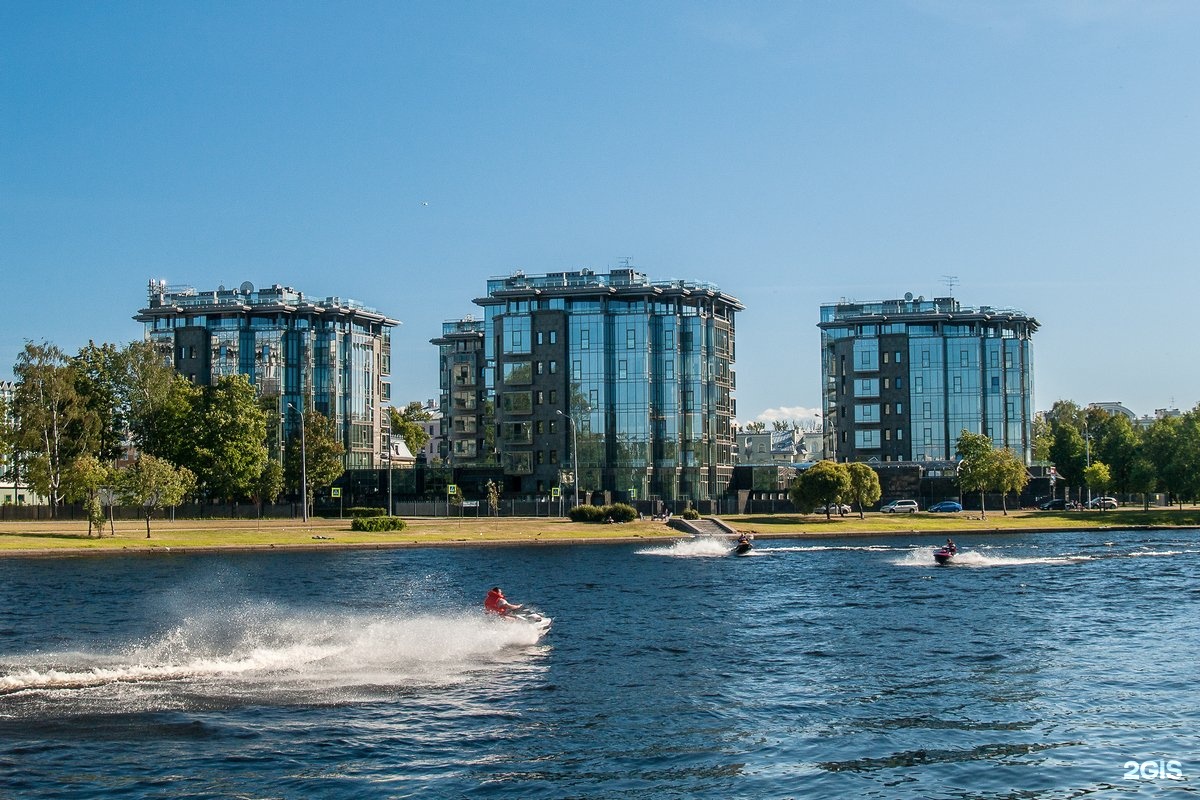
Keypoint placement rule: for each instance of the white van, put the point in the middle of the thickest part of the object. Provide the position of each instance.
(900, 507)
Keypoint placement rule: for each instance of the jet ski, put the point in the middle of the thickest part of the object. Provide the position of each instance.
(945, 555)
(743, 548)
(527, 616)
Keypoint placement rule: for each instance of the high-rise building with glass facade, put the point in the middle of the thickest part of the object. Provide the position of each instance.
(328, 354)
(638, 373)
(903, 378)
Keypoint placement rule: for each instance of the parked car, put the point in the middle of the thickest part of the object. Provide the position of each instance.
(1103, 502)
(1058, 505)
(901, 507)
(946, 506)
(834, 508)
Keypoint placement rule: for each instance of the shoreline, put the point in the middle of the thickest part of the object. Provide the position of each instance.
(443, 532)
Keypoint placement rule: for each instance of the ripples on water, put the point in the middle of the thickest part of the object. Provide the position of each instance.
(1035, 667)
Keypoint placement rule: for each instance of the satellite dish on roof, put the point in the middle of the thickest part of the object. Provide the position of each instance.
(247, 287)
(908, 297)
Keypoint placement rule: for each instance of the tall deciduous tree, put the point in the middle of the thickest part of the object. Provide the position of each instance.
(230, 436)
(864, 486)
(322, 454)
(978, 466)
(99, 378)
(53, 424)
(161, 403)
(825, 482)
(154, 483)
(1011, 475)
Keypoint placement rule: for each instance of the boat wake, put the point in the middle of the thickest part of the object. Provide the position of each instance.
(700, 547)
(923, 557)
(266, 647)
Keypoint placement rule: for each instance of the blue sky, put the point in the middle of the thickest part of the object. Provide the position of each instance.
(400, 153)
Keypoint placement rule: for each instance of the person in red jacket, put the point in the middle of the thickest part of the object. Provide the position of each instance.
(495, 602)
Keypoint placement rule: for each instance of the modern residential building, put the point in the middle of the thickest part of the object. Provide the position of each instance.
(638, 374)
(903, 378)
(467, 425)
(328, 354)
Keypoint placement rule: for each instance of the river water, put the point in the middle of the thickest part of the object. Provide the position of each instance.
(1040, 666)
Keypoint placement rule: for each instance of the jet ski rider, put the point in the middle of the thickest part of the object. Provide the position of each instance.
(496, 603)
(951, 547)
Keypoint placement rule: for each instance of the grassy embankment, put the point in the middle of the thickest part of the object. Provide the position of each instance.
(71, 537)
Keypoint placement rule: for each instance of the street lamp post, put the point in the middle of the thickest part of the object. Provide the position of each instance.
(574, 454)
(388, 433)
(303, 464)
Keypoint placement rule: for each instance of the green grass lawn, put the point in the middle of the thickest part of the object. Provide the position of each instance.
(71, 536)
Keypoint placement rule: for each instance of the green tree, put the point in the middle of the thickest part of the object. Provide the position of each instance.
(53, 424)
(270, 484)
(160, 403)
(758, 426)
(1043, 437)
(1011, 474)
(1098, 477)
(978, 468)
(154, 483)
(99, 381)
(406, 423)
(1143, 478)
(230, 435)
(1067, 453)
(864, 486)
(82, 482)
(322, 455)
(1116, 443)
(825, 482)
(1163, 447)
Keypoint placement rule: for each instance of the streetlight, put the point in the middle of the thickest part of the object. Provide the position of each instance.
(574, 453)
(303, 464)
(388, 433)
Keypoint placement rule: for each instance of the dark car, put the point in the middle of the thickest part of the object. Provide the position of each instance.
(946, 507)
(1058, 505)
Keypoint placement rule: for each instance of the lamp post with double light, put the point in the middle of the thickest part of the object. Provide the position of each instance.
(574, 454)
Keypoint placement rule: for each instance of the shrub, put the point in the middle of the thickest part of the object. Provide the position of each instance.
(586, 514)
(377, 524)
(620, 512)
(366, 511)
(690, 513)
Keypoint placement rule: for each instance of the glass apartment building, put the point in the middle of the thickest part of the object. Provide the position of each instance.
(331, 355)
(638, 372)
(903, 378)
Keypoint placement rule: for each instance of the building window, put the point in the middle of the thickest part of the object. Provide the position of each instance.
(585, 339)
(622, 370)
(899, 408)
(899, 434)
(964, 358)
(925, 359)
(899, 383)
(886, 357)
(927, 411)
(540, 398)
(958, 384)
(553, 396)
(554, 426)
(630, 339)
(539, 337)
(576, 370)
(887, 383)
(669, 369)
(553, 337)
(553, 456)
(540, 367)
(553, 367)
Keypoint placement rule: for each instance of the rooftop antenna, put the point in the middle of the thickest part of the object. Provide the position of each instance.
(951, 281)
(626, 261)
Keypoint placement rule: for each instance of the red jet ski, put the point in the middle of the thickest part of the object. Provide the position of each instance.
(945, 555)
